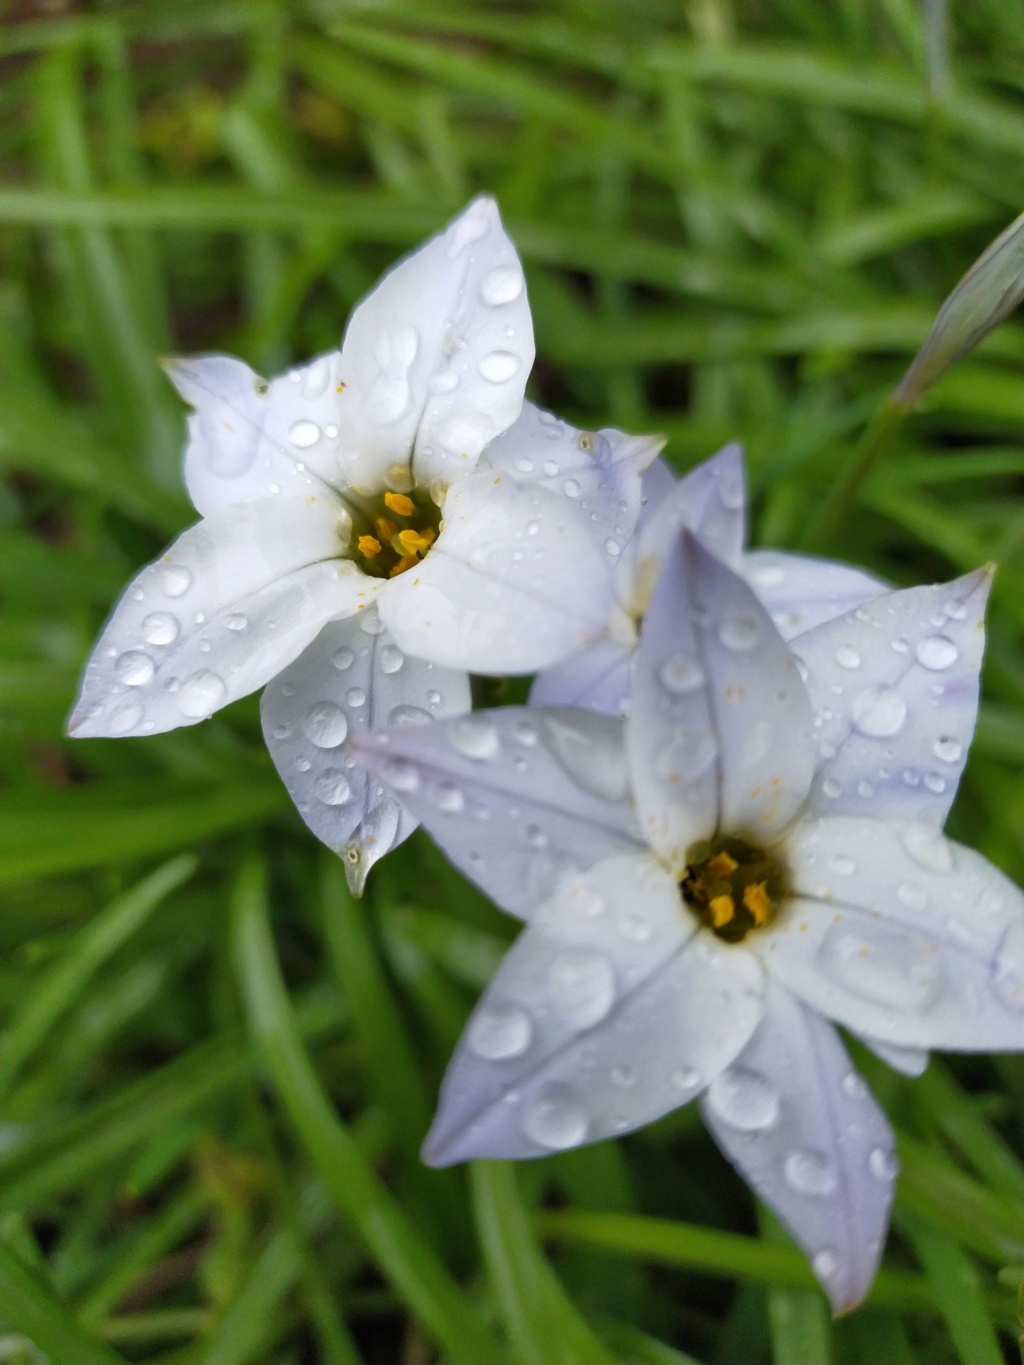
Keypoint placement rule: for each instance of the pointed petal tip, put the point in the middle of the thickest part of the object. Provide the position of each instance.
(357, 869)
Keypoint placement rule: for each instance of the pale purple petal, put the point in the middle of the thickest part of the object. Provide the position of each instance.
(515, 797)
(719, 729)
(352, 677)
(513, 584)
(802, 592)
(908, 1061)
(596, 677)
(233, 601)
(435, 360)
(801, 1127)
(608, 1012)
(901, 935)
(895, 692)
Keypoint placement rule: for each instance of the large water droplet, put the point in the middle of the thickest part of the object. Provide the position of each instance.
(846, 657)
(391, 659)
(499, 1032)
(581, 983)
(879, 712)
(325, 725)
(744, 1099)
(928, 847)
(332, 787)
(947, 750)
(475, 737)
(936, 652)
(556, 1121)
(343, 658)
(236, 621)
(355, 696)
(405, 716)
(740, 633)
(499, 366)
(503, 284)
(160, 628)
(680, 673)
(304, 434)
(176, 580)
(371, 624)
(809, 1171)
(201, 694)
(889, 968)
(134, 668)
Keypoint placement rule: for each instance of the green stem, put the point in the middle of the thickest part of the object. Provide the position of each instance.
(839, 501)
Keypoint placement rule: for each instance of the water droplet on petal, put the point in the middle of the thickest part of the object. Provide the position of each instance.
(845, 866)
(571, 488)
(936, 652)
(236, 621)
(825, 1263)
(888, 968)
(740, 633)
(201, 694)
(503, 284)
(332, 787)
(355, 696)
(304, 434)
(371, 624)
(947, 750)
(325, 725)
(768, 576)
(160, 628)
(831, 788)
(475, 737)
(622, 1076)
(391, 659)
(883, 1164)
(879, 712)
(405, 716)
(448, 797)
(744, 1099)
(134, 668)
(499, 366)
(499, 1032)
(927, 846)
(685, 1078)
(854, 1086)
(636, 927)
(343, 658)
(680, 673)
(176, 580)
(402, 775)
(581, 983)
(124, 715)
(612, 548)
(556, 1121)
(847, 657)
(809, 1172)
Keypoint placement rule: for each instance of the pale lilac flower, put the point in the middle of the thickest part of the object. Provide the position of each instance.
(358, 547)
(800, 591)
(755, 851)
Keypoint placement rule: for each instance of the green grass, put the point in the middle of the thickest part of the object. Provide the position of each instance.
(738, 220)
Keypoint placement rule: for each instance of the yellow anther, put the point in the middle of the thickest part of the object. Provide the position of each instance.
(722, 865)
(399, 503)
(411, 542)
(406, 562)
(369, 546)
(758, 902)
(387, 530)
(723, 909)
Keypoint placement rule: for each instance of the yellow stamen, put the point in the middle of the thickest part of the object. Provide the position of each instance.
(399, 503)
(406, 562)
(722, 865)
(387, 530)
(410, 542)
(758, 902)
(722, 908)
(369, 546)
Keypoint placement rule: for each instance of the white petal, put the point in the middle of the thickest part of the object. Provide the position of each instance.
(719, 728)
(908, 1061)
(598, 473)
(353, 676)
(435, 360)
(803, 1130)
(515, 796)
(608, 1012)
(513, 583)
(230, 604)
(895, 692)
(253, 438)
(901, 935)
(596, 677)
(710, 501)
(656, 485)
(801, 592)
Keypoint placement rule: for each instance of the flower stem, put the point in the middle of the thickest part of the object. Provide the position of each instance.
(841, 497)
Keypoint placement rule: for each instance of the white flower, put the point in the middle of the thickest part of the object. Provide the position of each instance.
(357, 546)
(799, 591)
(756, 850)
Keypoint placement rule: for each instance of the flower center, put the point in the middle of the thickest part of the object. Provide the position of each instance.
(732, 886)
(394, 531)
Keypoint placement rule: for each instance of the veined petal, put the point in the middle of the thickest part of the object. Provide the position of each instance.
(230, 604)
(596, 677)
(353, 676)
(515, 797)
(801, 592)
(598, 473)
(435, 360)
(513, 584)
(901, 935)
(255, 438)
(895, 690)
(608, 1012)
(719, 729)
(801, 1127)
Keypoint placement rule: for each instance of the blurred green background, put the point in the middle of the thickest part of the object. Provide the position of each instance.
(737, 219)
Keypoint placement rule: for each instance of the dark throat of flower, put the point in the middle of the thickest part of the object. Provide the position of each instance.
(392, 531)
(733, 887)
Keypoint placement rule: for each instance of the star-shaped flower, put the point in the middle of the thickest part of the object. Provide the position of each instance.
(799, 591)
(755, 851)
(375, 524)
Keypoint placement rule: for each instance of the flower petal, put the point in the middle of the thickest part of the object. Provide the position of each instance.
(719, 729)
(230, 604)
(801, 1127)
(351, 677)
(253, 438)
(596, 677)
(908, 1061)
(598, 473)
(434, 360)
(515, 797)
(895, 689)
(513, 584)
(801, 592)
(901, 935)
(608, 1012)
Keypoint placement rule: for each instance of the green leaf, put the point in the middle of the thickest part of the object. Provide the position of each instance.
(958, 1294)
(30, 1306)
